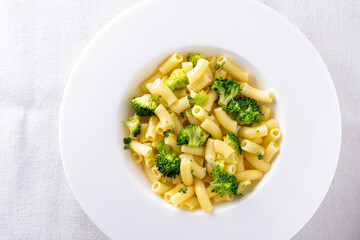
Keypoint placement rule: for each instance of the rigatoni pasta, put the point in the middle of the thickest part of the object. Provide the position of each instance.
(201, 137)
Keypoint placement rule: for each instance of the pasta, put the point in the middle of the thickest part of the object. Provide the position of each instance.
(223, 148)
(171, 141)
(141, 149)
(234, 70)
(249, 175)
(202, 83)
(180, 105)
(271, 151)
(212, 128)
(160, 188)
(164, 117)
(273, 136)
(190, 204)
(266, 111)
(185, 171)
(195, 74)
(199, 113)
(170, 63)
(202, 195)
(143, 130)
(150, 80)
(193, 148)
(257, 94)
(151, 129)
(252, 147)
(225, 121)
(212, 97)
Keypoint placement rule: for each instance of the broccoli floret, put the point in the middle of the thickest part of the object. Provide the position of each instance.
(193, 135)
(227, 89)
(145, 105)
(198, 98)
(168, 163)
(194, 57)
(176, 80)
(245, 109)
(134, 125)
(223, 182)
(242, 186)
(232, 140)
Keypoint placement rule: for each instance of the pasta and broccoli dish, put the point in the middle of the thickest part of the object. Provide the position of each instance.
(201, 133)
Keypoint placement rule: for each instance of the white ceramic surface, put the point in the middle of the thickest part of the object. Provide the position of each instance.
(111, 188)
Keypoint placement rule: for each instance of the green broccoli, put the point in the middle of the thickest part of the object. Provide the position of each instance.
(227, 89)
(198, 98)
(245, 109)
(177, 79)
(194, 57)
(223, 182)
(242, 186)
(193, 135)
(232, 140)
(168, 163)
(145, 105)
(134, 125)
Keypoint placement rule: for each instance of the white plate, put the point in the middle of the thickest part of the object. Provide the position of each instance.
(113, 190)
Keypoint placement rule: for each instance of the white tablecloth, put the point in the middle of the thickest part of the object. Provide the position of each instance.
(40, 41)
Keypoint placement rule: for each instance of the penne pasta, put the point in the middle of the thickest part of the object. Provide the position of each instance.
(249, 175)
(257, 94)
(212, 128)
(141, 149)
(202, 195)
(160, 90)
(212, 97)
(251, 147)
(198, 151)
(253, 132)
(234, 70)
(225, 121)
(198, 72)
(202, 83)
(256, 163)
(180, 105)
(170, 63)
(164, 117)
(273, 136)
(271, 150)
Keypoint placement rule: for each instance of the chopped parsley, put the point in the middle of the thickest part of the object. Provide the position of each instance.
(182, 115)
(192, 170)
(217, 66)
(127, 147)
(259, 155)
(183, 190)
(166, 134)
(127, 141)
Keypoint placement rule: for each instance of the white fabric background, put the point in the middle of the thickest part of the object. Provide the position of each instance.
(40, 41)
